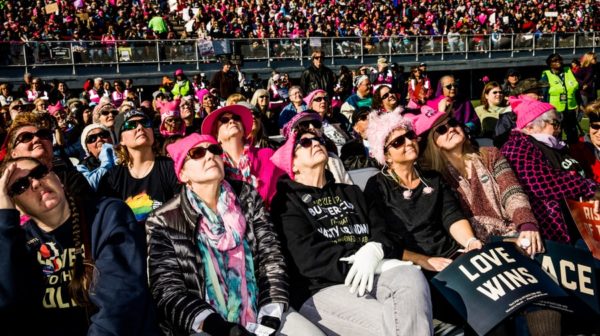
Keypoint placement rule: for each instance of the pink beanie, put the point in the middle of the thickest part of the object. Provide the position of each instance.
(169, 109)
(308, 99)
(179, 149)
(302, 116)
(283, 158)
(53, 109)
(201, 93)
(527, 110)
(424, 121)
(380, 127)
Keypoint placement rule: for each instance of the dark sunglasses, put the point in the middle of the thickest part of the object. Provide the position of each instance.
(387, 95)
(400, 140)
(362, 117)
(263, 96)
(595, 126)
(133, 124)
(92, 138)
(317, 57)
(451, 86)
(225, 120)
(197, 153)
(306, 124)
(18, 107)
(320, 99)
(107, 112)
(442, 129)
(556, 123)
(23, 183)
(307, 142)
(26, 137)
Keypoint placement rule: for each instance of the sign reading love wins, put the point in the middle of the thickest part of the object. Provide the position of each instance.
(588, 224)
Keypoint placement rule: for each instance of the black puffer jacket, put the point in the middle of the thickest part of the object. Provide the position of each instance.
(175, 266)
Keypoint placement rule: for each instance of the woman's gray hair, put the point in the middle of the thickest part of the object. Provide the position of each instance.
(540, 121)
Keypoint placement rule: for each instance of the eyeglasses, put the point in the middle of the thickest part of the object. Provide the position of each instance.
(307, 123)
(307, 142)
(400, 140)
(555, 123)
(94, 137)
(262, 97)
(595, 126)
(133, 124)
(197, 153)
(317, 57)
(173, 121)
(23, 183)
(443, 129)
(320, 99)
(388, 95)
(26, 137)
(451, 86)
(496, 92)
(18, 107)
(107, 112)
(225, 120)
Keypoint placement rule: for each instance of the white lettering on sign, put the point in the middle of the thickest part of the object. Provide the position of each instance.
(485, 261)
(573, 276)
(514, 278)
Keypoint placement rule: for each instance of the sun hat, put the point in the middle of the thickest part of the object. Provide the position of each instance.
(179, 149)
(527, 109)
(209, 125)
(380, 127)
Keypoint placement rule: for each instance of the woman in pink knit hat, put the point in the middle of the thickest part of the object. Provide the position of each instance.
(335, 250)
(547, 172)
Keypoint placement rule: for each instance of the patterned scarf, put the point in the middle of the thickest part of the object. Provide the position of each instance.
(242, 171)
(226, 256)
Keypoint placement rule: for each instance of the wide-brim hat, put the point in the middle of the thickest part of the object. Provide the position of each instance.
(209, 125)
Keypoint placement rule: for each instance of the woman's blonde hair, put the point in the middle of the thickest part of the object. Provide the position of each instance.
(433, 159)
(587, 58)
(258, 93)
(235, 98)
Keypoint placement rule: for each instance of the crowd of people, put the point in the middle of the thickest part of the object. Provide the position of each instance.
(215, 210)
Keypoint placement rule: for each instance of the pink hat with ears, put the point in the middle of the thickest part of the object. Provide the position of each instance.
(309, 98)
(179, 149)
(53, 109)
(201, 93)
(169, 109)
(424, 121)
(527, 109)
(283, 158)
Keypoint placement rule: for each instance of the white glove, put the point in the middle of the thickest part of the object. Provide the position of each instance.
(387, 264)
(364, 262)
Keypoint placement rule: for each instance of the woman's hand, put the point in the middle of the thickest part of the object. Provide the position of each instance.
(436, 264)
(5, 201)
(531, 242)
(443, 104)
(473, 244)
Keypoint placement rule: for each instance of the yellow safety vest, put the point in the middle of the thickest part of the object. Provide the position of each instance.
(562, 94)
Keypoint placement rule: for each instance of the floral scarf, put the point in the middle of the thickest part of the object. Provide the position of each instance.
(243, 170)
(226, 257)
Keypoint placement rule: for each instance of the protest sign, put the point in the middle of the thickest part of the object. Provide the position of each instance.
(573, 269)
(588, 224)
(51, 8)
(490, 284)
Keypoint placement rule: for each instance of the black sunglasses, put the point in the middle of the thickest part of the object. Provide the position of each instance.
(306, 124)
(197, 153)
(451, 86)
(388, 94)
(26, 137)
(23, 183)
(556, 123)
(225, 120)
(442, 129)
(307, 142)
(107, 112)
(93, 137)
(320, 99)
(133, 124)
(317, 57)
(595, 126)
(400, 140)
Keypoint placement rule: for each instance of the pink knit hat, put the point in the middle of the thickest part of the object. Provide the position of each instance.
(424, 121)
(302, 116)
(380, 127)
(169, 109)
(308, 99)
(527, 109)
(283, 158)
(53, 109)
(201, 93)
(179, 149)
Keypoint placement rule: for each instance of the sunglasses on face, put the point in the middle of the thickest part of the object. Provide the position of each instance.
(18, 107)
(317, 57)
(173, 121)
(94, 137)
(307, 142)
(400, 140)
(263, 97)
(320, 99)
(498, 92)
(107, 112)
(443, 129)
(595, 126)
(363, 117)
(225, 120)
(388, 95)
(197, 153)
(23, 183)
(450, 86)
(307, 123)
(26, 137)
(555, 123)
(133, 124)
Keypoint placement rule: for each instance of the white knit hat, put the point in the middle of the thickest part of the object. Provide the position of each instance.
(87, 130)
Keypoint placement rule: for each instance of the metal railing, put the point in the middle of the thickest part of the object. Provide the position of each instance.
(84, 53)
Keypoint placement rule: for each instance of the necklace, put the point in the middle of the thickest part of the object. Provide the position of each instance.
(407, 194)
(145, 172)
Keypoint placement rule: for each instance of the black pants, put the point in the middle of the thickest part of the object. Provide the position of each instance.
(569, 126)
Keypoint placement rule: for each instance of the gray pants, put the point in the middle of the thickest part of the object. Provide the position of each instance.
(399, 304)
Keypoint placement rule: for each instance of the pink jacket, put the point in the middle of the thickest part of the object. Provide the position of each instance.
(265, 171)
